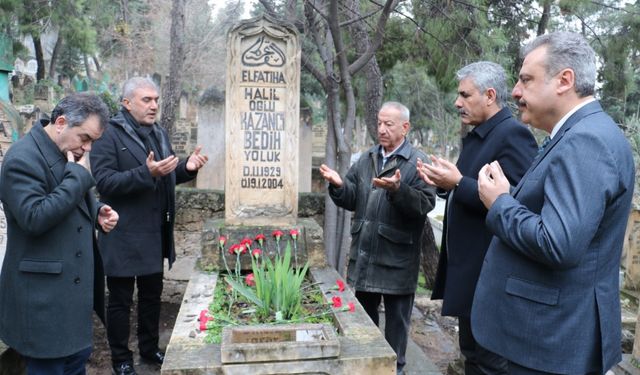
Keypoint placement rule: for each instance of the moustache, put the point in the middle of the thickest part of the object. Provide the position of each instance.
(521, 103)
(462, 112)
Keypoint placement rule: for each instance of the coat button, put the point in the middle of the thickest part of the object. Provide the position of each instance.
(77, 280)
(79, 229)
(78, 254)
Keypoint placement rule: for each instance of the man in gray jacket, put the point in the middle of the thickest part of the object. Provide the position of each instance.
(391, 203)
(47, 287)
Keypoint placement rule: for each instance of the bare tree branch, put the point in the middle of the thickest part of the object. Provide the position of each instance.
(377, 38)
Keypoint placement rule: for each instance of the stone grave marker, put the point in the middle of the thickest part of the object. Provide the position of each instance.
(632, 251)
(6, 133)
(262, 122)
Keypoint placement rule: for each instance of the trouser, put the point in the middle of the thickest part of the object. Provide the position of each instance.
(73, 364)
(516, 369)
(119, 307)
(397, 310)
(477, 360)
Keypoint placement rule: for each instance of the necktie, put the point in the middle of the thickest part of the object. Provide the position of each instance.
(544, 144)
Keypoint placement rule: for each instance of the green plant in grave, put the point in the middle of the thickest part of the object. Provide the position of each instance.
(277, 287)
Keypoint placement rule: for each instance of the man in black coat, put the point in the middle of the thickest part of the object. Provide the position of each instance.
(51, 278)
(391, 203)
(481, 102)
(136, 173)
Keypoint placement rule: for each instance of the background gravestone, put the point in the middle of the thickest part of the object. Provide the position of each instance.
(7, 116)
(262, 123)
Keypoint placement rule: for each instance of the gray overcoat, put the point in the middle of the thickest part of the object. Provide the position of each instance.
(47, 279)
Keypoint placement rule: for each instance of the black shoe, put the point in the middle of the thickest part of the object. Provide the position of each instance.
(123, 369)
(157, 357)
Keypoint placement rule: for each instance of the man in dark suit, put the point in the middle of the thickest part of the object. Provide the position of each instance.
(47, 289)
(482, 97)
(548, 294)
(136, 173)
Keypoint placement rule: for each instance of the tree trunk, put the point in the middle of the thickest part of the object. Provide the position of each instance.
(54, 57)
(87, 68)
(37, 46)
(429, 254)
(373, 76)
(544, 19)
(97, 62)
(332, 247)
(173, 89)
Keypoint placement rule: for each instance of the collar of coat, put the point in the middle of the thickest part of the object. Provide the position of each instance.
(121, 121)
(486, 127)
(404, 151)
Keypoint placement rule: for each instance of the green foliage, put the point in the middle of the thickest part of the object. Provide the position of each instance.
(434, 119)
(277, 287)
(110, 101)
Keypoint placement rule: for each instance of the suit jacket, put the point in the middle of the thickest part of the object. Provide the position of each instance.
(47, 279)
(548, 294)
(465, 237)
(387, 227)
(144, 234)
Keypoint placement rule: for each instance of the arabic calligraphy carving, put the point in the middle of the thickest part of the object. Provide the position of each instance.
(263, 52)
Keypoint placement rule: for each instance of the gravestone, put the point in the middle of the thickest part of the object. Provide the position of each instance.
(632, 252)
(262, 123)
(8, 116)
(210, 131)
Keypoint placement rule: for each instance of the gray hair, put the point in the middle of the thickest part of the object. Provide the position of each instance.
(404, 111)
(134, 83)
(567, 50)
(486, 75)
(77, 108)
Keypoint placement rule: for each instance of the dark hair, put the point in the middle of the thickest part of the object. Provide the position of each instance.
(77, 108)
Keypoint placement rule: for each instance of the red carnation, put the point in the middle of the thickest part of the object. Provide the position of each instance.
(294, 234)
(352, 306)
(246, 241)
(250, 280)
(204, 318)
(337, 301)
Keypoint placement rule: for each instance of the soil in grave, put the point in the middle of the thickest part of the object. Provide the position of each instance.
(229, 307)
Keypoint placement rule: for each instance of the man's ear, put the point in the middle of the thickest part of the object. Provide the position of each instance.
(405, 127)
(126, 103)
(566, 81)
(491, 95)
(60, 123)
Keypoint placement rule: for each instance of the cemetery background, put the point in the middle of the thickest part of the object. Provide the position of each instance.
(422, 79)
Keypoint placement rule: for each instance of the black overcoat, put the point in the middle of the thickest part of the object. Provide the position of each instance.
(465, 237)
(144, 234)
(47, 280)
(387, 227)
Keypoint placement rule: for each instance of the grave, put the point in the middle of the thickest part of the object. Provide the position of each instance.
(261, 197)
